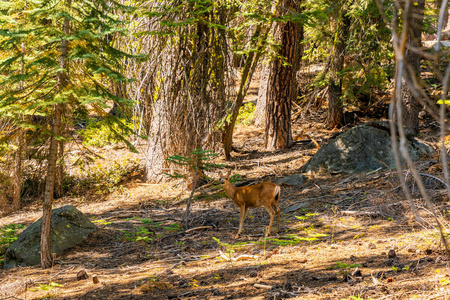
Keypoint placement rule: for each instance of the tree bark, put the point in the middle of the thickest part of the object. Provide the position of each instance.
(17, 180)
(282, 88)
(335, 105)
(260, 110)
(411, 106)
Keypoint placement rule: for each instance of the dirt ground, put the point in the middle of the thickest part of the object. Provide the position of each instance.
(342, 236)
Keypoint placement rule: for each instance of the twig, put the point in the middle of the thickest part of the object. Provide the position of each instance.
(434, 177)
(198, 228)
(262, 286)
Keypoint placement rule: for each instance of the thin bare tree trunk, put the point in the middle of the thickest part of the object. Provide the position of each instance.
(17, 176)
(60, 167)
(17, 181)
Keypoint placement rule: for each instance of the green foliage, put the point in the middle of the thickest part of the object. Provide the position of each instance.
(99, 133)
(369, 54)
(35, 75)
(197, 161)
(246, 113)
(102, 177)
(235, 178)
(8, 234)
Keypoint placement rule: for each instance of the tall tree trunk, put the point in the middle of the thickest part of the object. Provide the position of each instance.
(46, 258)
(59, 192)
(411, 106)
(282, 88)
(260, 110)
(17, 180)
(335, 105)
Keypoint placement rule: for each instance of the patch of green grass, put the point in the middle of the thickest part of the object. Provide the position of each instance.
(8, 234)
(45, 287)
(307, 216)
(343, 266)
(147, 233)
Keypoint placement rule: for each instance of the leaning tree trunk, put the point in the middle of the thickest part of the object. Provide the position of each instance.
(282, 88)
(411, 106)
(335, 105)
(251, 62)
(46, 258)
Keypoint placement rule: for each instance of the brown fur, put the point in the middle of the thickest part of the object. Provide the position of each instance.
(264, 194)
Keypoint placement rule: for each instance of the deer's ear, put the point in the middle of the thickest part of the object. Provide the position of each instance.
(229, 173)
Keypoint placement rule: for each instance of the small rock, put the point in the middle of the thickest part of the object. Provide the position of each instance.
(294, 180)
(216, 292)
(411, 249)
(392, 254)
(82, 275)
(371, 246)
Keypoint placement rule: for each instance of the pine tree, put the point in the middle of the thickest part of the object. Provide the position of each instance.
(58, 56)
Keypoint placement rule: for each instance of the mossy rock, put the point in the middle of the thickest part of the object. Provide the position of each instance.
(363, 148)
(69, 227)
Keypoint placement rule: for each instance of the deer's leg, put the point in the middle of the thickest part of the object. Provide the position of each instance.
(244, 211)
(277, 209)
(272, 214)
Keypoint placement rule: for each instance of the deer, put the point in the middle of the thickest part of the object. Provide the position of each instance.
(264, 194)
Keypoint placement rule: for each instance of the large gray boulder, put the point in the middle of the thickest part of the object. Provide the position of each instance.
(69, 227)
(363, 148)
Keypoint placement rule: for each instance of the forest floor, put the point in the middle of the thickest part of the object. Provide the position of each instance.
(336, 240)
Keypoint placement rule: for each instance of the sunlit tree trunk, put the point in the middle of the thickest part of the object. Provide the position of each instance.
(260, 110)
(17, 177)
(282, 88)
